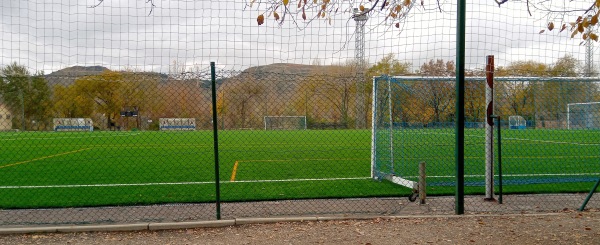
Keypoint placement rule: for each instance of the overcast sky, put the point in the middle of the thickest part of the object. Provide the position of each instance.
(46, 35)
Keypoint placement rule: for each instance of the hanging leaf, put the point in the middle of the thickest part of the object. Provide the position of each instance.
(564, 26)
(594, 20)
(276, 15)
(586, 22)
(260, 19)
(398, 8)
(550, 26)
(397, 25)
(542, 31)
(286, 2)
(574, 33)
(584, 36)
(580, 28)
(406, 2)
(362, 8)
(594, 36)
(303, 15)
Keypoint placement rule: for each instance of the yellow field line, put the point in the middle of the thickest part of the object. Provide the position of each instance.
(42, 158)
(309, 159)
(235, 166)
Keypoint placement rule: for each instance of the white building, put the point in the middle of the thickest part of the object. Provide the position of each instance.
(5, 118)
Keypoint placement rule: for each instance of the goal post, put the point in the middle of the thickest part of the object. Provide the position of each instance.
(285, 122)
(177, 124)
(517, 122)
(73, 124)
(383, 163)
(585, 115)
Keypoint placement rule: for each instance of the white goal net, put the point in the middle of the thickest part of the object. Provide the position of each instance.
(517, 122)
(285, 122)
(584, 115)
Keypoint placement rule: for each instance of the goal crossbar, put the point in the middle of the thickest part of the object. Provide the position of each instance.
(569, 105)
(284, 122)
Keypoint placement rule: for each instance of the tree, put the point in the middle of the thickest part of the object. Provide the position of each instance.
(102, 97)
(566, 66)
(396, 11)
(438, 95)
(327, 95)
(242, 95)
(26, 95)
(389, 65)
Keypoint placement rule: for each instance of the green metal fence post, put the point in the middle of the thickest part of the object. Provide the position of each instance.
(587, 199)
(215, 138)
(460, 109)
(498, 126)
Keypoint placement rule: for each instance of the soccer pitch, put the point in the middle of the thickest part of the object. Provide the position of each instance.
(73, 169)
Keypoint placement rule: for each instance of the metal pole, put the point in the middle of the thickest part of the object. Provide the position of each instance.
(587, 199)
(22, 110)
(489, 130)
(215, 138)
(498, 126)
(460, 109)
(499, 160)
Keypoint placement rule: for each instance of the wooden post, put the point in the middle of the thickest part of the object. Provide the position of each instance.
(422, 182)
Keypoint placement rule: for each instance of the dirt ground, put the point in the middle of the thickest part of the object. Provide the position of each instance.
(569, 227)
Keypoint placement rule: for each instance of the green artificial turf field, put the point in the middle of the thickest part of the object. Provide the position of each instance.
(70, 169)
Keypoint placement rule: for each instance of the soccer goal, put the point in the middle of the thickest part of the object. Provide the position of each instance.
(517, 122)
(73, 124)
(402, 132)
(177, 124)
(285, 122)
(584, 115)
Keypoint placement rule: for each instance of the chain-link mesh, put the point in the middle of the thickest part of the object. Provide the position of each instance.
(106, 109)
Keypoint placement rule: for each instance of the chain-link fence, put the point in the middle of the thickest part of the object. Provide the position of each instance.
(114, 119)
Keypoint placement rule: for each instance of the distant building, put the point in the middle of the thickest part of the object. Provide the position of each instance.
(5, 118)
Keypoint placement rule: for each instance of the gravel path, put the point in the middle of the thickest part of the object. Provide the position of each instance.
(570, 227)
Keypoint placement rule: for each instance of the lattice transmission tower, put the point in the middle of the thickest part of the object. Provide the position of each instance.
(359, 55)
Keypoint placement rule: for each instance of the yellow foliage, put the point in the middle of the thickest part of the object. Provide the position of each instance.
(260, 19)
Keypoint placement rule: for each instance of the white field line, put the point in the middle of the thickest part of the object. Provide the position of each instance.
(176, 183)
(81, 137)
(532, 140)
(509, 175)
(264, 181)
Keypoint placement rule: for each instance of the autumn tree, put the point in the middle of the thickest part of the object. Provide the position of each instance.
(102, 97)
(517, 97)
(437, 95)
(330, 93)
(389, 65)
(242, 95)
(27, 95)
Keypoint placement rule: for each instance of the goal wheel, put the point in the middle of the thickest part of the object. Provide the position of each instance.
(413, 196)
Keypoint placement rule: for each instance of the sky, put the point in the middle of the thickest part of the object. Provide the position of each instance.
(50, 35)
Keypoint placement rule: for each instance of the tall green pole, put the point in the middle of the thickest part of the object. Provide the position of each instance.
(460, 109)
(215, 138)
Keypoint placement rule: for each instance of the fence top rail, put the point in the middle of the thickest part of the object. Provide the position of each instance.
(482, 79)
